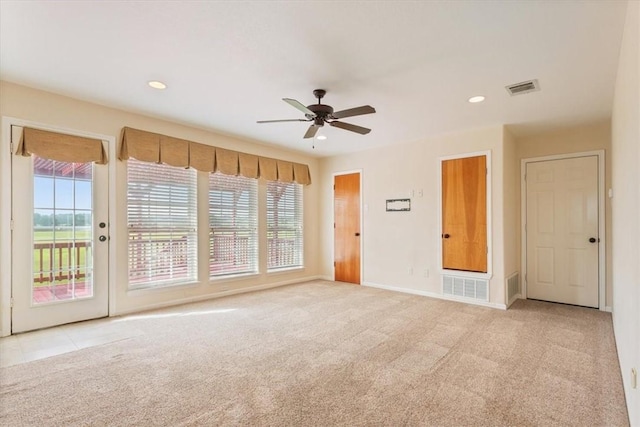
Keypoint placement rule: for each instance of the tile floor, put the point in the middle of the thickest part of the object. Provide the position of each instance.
(29, 346)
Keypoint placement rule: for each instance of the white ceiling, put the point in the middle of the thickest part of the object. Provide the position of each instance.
(228, 64)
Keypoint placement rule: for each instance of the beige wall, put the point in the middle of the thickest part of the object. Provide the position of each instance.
(53, 110)
(395, 242)
(591, 137)
(626, 208)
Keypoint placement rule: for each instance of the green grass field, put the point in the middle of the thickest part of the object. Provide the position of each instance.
(65, 235)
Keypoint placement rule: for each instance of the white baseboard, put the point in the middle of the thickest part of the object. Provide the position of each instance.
(329, 278)
(608, 309)
(215, 295)
(435, 295)
(513, 299)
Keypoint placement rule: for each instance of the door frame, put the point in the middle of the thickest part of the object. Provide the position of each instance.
(602, 274)
(333, 216)
(470, 274)
(6, 190)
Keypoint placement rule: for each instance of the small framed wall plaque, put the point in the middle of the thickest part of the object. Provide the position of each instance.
(398, 205)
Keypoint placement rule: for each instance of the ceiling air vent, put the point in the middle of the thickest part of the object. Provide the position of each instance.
(523, 87)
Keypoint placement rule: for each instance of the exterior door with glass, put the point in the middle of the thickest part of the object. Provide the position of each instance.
(60, 241)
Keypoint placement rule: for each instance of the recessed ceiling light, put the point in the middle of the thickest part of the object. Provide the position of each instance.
(321, 137)
(476, 99)
(157, 85)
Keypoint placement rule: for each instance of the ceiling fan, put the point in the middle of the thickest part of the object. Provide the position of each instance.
(320, 114)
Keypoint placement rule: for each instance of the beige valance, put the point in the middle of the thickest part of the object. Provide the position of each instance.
(61, 147)
(152, 147)
(285, 171)
(301, 174)
(227, 161)
(143, 146)
(202, 157)
(248, 165)
(268, 168)
(174, 151)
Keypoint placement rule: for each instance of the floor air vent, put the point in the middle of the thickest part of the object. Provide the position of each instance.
(523, 87)
(463, 287)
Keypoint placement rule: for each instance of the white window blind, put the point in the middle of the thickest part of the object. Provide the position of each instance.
(284, 225)
(233, 222)
(162, 222)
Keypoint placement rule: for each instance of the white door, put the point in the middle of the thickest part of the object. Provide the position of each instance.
(59, 241)
(562, 231)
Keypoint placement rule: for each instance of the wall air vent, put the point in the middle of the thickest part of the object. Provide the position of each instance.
(523, 87)
(514, 290)
(463, 288)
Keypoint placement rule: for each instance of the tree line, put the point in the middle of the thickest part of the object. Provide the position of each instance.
(61, 219)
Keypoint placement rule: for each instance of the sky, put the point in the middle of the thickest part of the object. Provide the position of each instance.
(61, 195)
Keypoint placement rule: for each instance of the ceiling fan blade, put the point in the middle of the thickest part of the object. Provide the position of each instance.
(358, 111)
(311, 132)
(299, 106)
(349, 126)
(285, 120)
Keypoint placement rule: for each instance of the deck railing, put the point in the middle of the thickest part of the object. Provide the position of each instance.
(229, 253)
(66, 260)
(281, 252)
(165, 258)
(59, 261)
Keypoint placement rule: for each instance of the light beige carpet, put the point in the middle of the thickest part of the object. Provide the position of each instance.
(322, 354)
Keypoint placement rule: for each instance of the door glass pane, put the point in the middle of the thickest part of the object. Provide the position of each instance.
(83, 194)
(63, 193)
(62, 224)
(43, 192)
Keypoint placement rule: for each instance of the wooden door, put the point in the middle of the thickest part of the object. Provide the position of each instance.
(464, 214)
(346, 214)
(562, 231)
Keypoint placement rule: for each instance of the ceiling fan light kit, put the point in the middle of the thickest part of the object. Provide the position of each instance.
(320, 114)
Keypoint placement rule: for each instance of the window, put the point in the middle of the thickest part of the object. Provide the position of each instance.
(162, 222)
(233, 222)
(284, 225)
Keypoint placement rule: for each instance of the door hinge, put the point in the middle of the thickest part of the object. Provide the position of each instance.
(11, 147)
(334, 225)
(11, 225)
(486, 171)
(525, 227)
(11, 302)
(334, 186)
(334, 263)
(487, 249)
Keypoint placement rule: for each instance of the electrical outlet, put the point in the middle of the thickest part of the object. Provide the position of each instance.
(634, 378)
